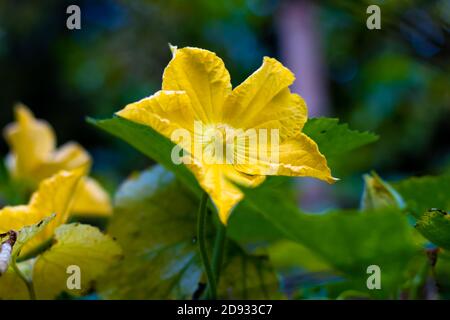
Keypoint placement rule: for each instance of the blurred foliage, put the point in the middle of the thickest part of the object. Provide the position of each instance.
(393, 81)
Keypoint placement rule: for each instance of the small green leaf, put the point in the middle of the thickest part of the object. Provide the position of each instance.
(335, 139)
(424, 193)
(435, 226)
(28, 232)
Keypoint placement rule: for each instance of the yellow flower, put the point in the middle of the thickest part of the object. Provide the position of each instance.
(34, 157)
(54, 196)
(196, 89)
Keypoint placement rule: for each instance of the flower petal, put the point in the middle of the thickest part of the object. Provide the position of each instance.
(298, 156)
(54, 195)
(30, 140)
(286, 112)
(69, 156)
(165, 111)
(203, 76)
(91, 199)
(215, 180)
(14, 218)
(263, 100)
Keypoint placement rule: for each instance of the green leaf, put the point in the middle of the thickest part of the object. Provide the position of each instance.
(335, 139)
(155, 219)
(248, 225)
(246, 276)
(435, 226)
(347, 240)
(424, 193)
(82, 246)
(288, 254)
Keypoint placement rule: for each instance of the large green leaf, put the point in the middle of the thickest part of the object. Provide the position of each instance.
(155, 221)
(335, 139)
(435, 226)
(286, 254)
(349, 241)
(424, 193)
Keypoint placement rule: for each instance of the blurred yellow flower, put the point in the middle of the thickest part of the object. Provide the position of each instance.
(196, 89)
(54, 196)
(34, 157)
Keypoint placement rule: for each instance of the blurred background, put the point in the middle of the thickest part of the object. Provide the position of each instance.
(394, 81)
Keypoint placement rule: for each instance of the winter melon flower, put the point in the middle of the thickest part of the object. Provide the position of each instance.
(54, 196)
(196, 89)
(34, 157)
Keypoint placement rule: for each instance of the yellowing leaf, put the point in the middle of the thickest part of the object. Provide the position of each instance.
(12, 286)
(435, 226)
(27, 233)
(78, 245)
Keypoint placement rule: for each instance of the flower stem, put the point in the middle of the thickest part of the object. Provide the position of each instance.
(27, 282)
(219, 246)
(201, 236)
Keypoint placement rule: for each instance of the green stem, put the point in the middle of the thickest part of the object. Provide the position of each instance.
(219, 246)
(27, 282)
(201, 236)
